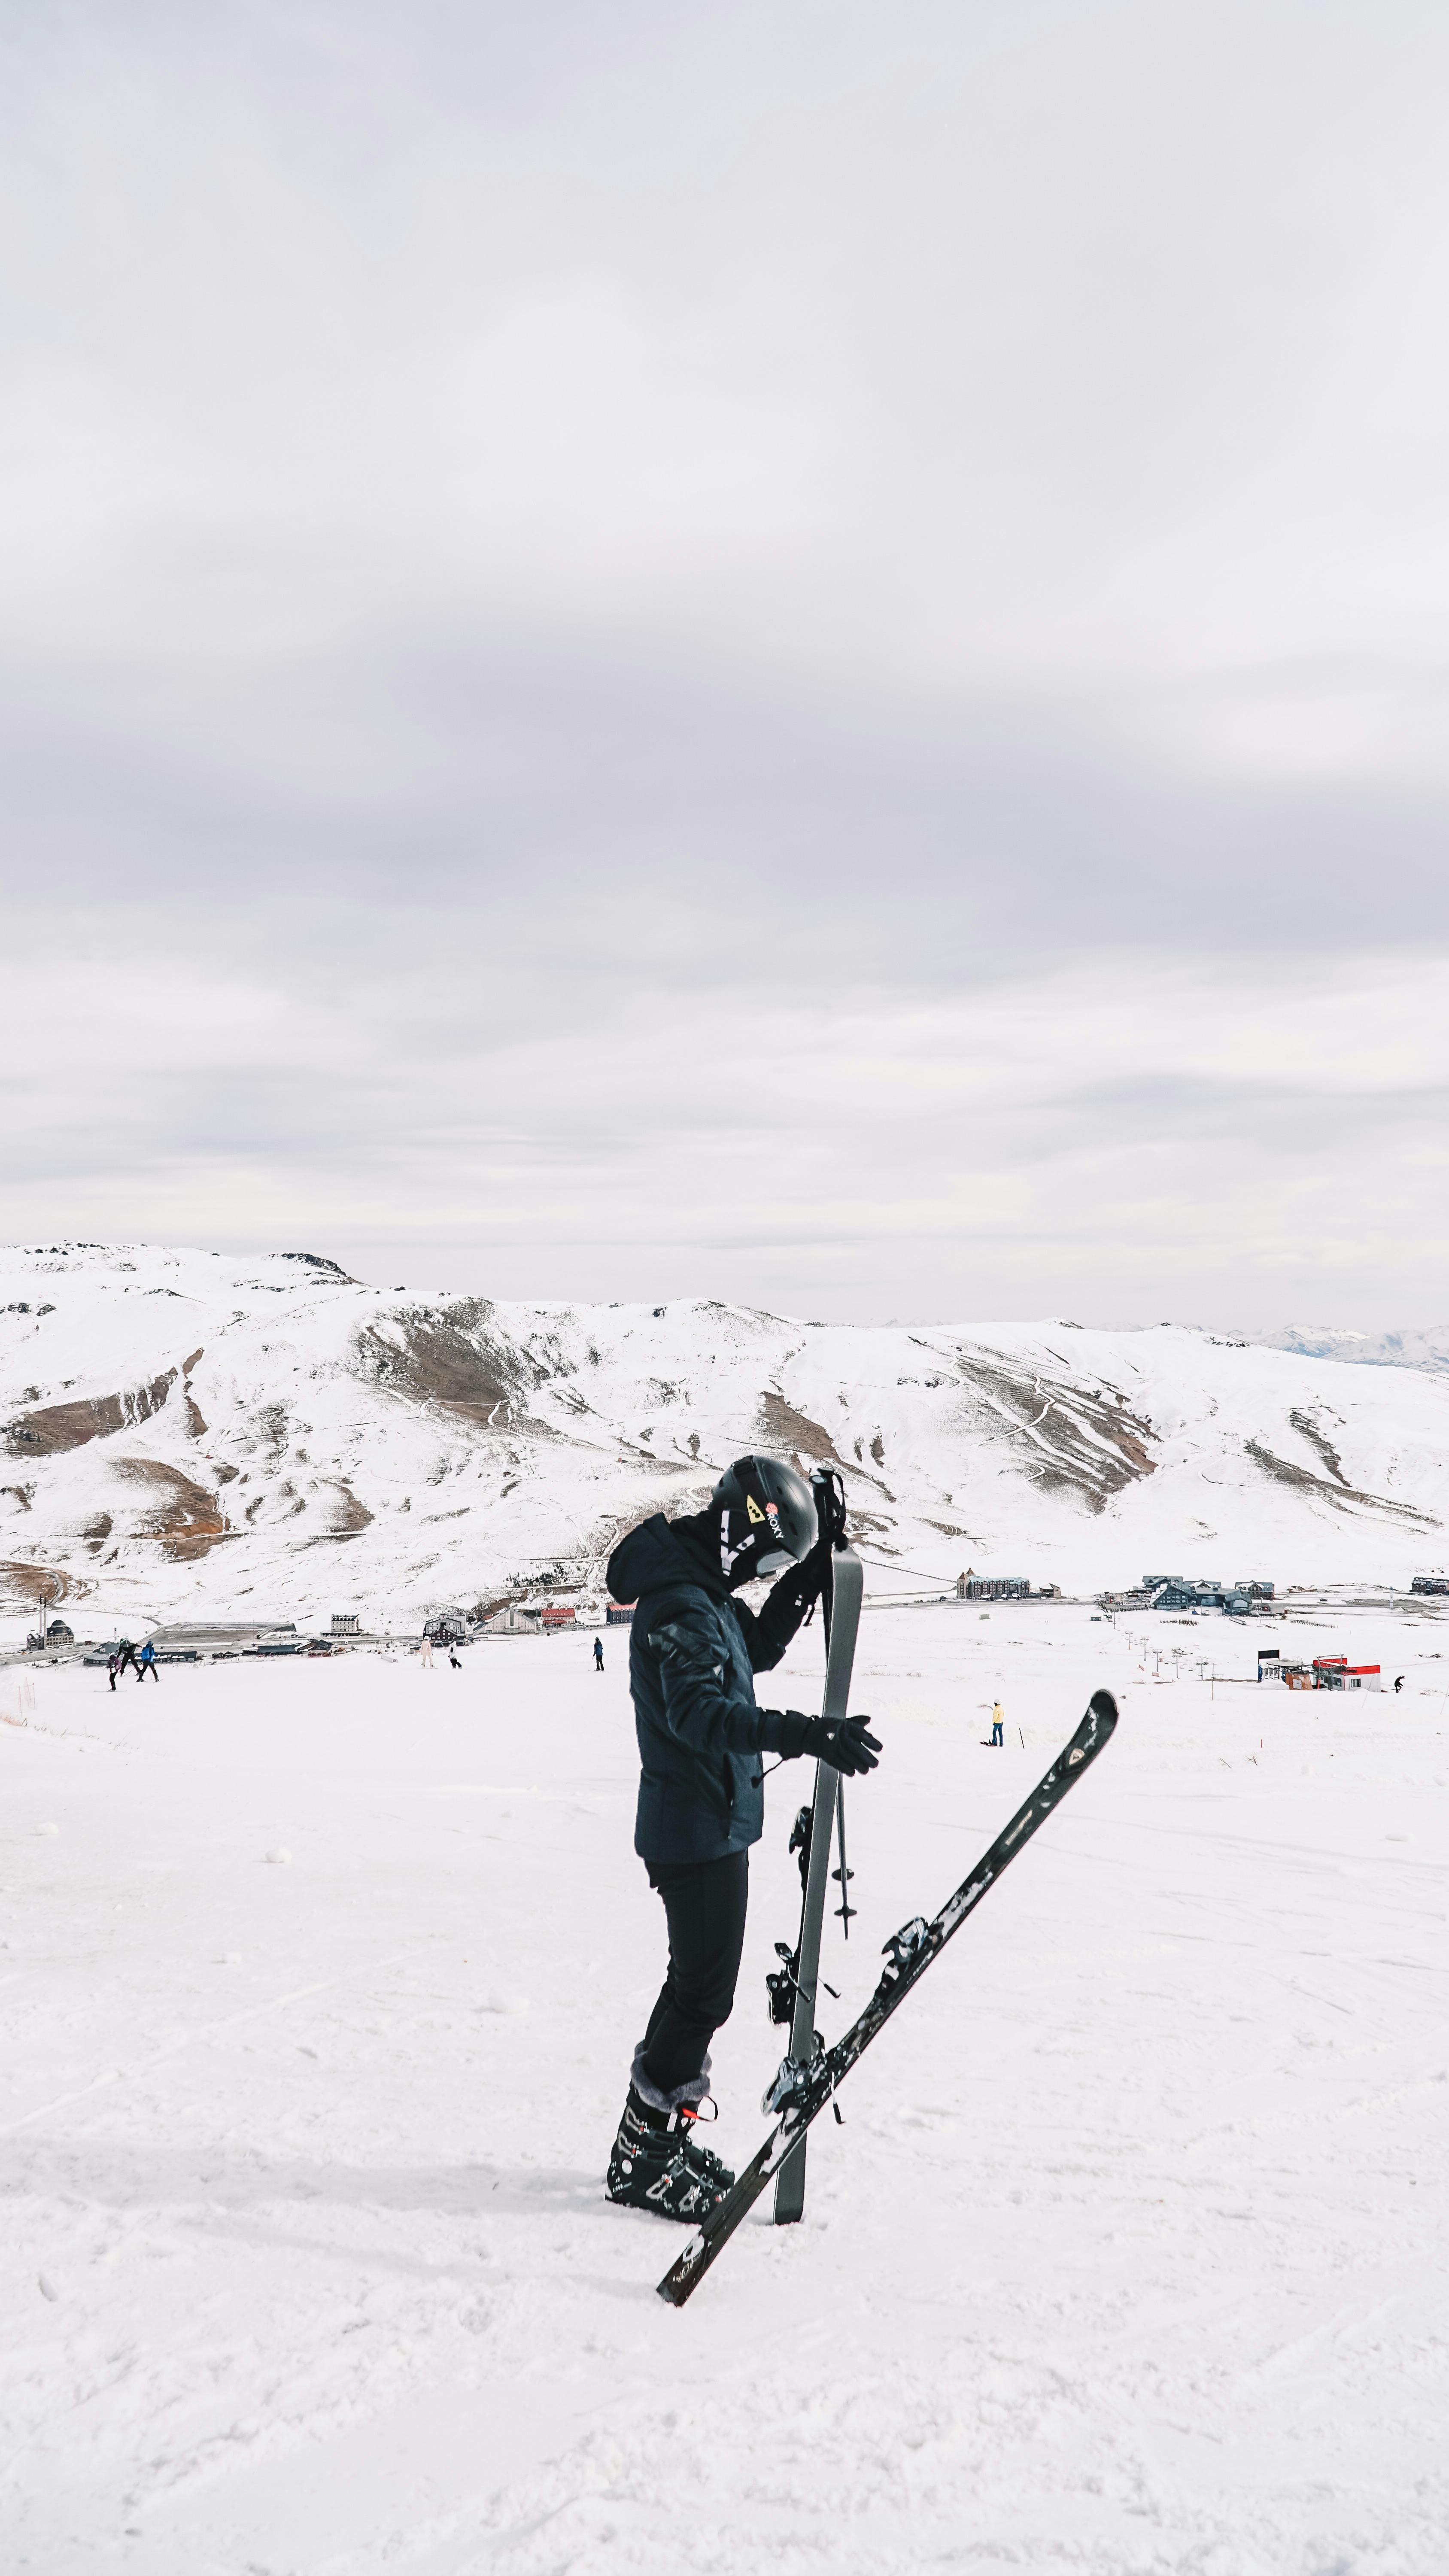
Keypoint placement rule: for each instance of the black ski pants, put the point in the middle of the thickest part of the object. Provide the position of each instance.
(704, 1907)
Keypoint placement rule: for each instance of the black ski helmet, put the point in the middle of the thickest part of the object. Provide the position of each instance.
(766, 1518)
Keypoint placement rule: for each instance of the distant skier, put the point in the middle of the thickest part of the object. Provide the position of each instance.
(598, 1654)
(693, 1653)
(126, 1658)
(453, 1656)
(425, 1654)
(113, 1667)
(1399, 1684)
(997, 1722)
(147, 1663)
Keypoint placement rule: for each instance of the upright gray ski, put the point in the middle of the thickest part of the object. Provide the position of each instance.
(847, 1580)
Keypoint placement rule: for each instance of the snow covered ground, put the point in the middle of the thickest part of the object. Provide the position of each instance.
(1130, 2258)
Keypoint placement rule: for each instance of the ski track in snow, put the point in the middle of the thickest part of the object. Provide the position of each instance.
(1130, 2257)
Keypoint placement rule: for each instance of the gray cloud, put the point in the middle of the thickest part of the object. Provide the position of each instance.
(693, 802)
(768, 650)
(1155, 1133)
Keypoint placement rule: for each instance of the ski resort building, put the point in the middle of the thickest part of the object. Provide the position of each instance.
(215, 1641)
(619, 1614)
(1326, 1672)
(53, 1633)
(1180, 1592)
(992, 1587)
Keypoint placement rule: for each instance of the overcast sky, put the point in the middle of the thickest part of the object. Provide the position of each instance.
(789, 651)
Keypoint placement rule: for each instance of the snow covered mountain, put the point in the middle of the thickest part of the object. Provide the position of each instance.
(190, 1434)
(1426, 1349)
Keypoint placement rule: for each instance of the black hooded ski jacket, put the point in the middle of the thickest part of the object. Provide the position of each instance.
(693, 1655)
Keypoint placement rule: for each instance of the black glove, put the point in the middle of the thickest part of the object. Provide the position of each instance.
(817, 1564)
(795, 1594)
(829, 1490)
(841, 1741)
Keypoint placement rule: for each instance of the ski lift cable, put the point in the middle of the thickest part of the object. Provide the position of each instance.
(914, 1571)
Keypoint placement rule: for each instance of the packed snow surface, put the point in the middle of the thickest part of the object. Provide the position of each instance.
(186, 1435)
(1130, 2257)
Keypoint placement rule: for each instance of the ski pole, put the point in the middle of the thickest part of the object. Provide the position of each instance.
(844, 1909)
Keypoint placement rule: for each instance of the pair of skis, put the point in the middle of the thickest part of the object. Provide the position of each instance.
(807, 2081)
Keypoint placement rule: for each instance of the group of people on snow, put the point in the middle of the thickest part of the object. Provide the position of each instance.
(124, 1658)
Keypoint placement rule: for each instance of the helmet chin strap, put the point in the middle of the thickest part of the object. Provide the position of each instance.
(729, 1557)
(774, 1563)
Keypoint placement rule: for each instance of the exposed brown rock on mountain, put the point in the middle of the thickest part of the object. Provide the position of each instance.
(187, 1520)
(37, 1583)
(195, 1425)
(345, 1513)
(1072, 1441)
(438, 1363)
(782, 1427)
(69, 1426)
(1284, 1472)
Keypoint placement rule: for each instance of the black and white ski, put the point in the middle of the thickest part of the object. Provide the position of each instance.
(847, 1579)
(800, 2091)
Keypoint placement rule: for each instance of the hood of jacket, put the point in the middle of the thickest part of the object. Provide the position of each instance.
(660, 1554)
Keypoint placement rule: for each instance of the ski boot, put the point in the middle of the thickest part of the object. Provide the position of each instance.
(657, 2164)
(711, 2169)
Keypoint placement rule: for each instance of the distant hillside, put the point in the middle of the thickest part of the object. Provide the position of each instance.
(188, 1432)
(1427, 1349)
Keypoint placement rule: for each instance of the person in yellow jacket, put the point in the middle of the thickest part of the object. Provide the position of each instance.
(997, 1723)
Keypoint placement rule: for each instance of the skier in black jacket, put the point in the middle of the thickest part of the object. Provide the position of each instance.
(693, 1654)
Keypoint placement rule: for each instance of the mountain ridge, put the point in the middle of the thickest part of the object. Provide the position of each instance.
(1422, 1347)
(185, 1433)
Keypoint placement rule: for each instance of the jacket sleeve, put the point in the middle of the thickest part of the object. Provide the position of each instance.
(768, 1632)
(698, 1708)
